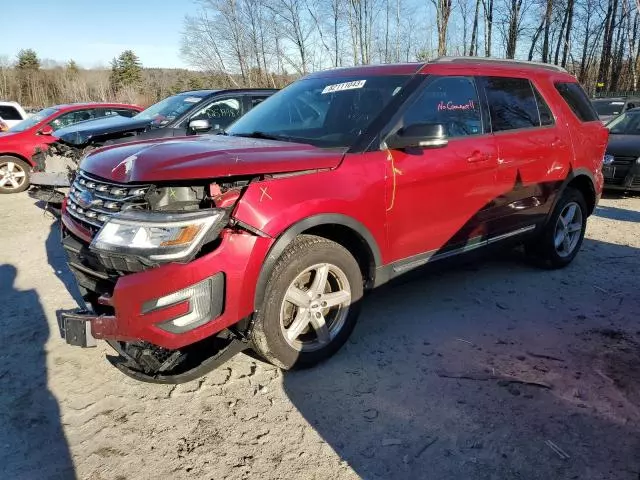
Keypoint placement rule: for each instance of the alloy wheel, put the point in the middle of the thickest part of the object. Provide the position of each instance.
(315, 307)
(12, 176)
(568, 229)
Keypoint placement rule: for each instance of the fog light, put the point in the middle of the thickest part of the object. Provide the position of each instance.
(205, 300)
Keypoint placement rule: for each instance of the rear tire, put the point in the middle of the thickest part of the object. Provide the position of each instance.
(562, 236)
(14, 175)
(311, 304)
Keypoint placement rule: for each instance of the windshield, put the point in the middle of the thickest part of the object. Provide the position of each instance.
(626, 124)
(168, 109)
(324, 112)
(608, 107)
(33, 120)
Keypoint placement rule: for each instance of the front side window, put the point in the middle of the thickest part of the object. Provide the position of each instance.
(220, 113)
(8, 112)
(324, 112)
(574, 95)
(512, 103)
(450, 101)
(71, 118)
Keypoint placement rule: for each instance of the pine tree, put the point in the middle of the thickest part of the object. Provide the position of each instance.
(27, 60)
(126, 70)
(72, 68)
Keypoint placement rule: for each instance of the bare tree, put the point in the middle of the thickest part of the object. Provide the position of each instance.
(443, 12)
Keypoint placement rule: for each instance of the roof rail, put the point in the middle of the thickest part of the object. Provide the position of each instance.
(498, 61)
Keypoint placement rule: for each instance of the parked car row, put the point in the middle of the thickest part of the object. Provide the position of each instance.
(73, 129)
(267, 235)
(621, 164)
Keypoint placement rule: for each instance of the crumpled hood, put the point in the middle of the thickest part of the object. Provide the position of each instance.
(7, 135)
(204, 157)
(83, 132)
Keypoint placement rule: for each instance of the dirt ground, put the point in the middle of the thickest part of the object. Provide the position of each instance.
(485, 370)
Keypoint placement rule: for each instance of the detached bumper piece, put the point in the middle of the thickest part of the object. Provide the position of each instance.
(147, 362)
(152, 364)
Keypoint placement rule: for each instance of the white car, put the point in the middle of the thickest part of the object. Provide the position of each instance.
(12, 113)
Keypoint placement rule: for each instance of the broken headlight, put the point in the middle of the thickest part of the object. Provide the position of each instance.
(159, 236)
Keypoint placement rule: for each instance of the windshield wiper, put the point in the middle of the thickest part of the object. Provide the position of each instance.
(263, 135)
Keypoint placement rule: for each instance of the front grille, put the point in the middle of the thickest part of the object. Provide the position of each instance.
(618, 160)
(636, 181)
(92, 200)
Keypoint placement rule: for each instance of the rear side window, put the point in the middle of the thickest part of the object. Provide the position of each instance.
(512, 103)
(577, 101)
(9, 113)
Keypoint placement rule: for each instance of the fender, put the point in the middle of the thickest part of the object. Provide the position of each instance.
(572, 175)
(305, 224)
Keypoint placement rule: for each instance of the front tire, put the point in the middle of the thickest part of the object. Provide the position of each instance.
(562, 236)
(311, 304)
(14, 175)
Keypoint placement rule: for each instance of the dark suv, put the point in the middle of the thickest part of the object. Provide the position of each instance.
(267, 237)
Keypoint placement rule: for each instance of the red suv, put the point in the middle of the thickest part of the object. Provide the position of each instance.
(268, 236)
(21, 143)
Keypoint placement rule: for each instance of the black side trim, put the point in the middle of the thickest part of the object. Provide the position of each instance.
(287, 237)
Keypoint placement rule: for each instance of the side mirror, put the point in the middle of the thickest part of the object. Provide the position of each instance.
(421, 135)
(46, 130)
(200, 125)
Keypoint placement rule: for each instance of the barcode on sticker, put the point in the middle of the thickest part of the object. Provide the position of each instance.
(338, 87)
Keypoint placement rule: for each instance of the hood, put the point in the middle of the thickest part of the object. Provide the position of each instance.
(205, 157)
(82, 133)
(624, 145)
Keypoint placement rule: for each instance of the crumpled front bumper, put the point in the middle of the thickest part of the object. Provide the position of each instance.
(125, 299)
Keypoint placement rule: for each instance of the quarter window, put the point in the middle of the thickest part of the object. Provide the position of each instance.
(577, 100)
(450, 101)
(512, 103)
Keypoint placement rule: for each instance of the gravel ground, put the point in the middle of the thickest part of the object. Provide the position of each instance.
(486, 370)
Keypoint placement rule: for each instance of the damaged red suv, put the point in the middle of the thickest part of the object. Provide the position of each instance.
(188, 250)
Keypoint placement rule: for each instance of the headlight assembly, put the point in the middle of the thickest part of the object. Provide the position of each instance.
(159, 236)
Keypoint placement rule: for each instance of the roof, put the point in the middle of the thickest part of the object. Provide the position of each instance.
(64, 106)
(498, 61)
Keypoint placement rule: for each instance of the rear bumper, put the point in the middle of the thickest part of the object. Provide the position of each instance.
(123, 300)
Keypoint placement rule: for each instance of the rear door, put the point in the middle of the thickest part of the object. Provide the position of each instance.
(533, 149)
(437, 198)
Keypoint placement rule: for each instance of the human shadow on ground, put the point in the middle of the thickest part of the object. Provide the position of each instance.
(58, 262)
(31, 435)
(385, 407)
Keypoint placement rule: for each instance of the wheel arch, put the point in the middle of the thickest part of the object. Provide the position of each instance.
(18, 156)
(344, 230)
(582, 180)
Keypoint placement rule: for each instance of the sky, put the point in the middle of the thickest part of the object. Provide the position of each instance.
(92, 32)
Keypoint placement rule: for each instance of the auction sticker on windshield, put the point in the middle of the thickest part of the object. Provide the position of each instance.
(338, 87)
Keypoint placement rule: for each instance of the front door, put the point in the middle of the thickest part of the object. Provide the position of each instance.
(437, 197)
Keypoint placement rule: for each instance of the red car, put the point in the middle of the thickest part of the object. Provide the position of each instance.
(19, 145)
(268, 236)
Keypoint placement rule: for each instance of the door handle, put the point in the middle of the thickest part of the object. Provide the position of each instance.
(478, 156)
